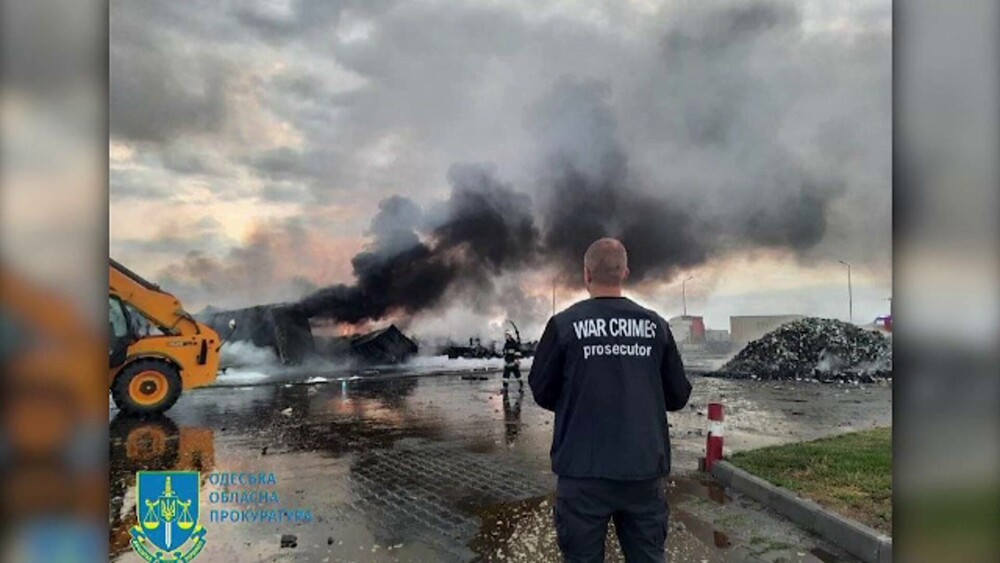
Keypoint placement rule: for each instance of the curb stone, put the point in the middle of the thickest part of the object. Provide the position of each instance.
(853, 537)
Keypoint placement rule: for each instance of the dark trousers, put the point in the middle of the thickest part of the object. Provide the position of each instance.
(511, 370)
(584, 506)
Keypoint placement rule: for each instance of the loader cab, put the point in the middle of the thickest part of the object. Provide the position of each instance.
(120, 334)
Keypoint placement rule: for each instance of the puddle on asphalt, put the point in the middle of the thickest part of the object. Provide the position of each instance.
(696, 486)
(825, 556)
(523, 531)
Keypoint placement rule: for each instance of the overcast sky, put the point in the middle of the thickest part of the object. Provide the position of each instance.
(252, 142)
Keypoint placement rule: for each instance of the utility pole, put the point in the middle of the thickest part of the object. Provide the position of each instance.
(553, 298)
(684, 293)
(850, 294)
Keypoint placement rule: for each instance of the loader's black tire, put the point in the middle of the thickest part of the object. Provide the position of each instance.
(147, 387)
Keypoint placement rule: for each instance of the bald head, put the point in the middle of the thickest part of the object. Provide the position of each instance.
(605, 264)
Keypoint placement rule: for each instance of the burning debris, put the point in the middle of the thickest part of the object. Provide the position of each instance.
(385, 346)
(822, 349)
(283, 328)
(477, 350)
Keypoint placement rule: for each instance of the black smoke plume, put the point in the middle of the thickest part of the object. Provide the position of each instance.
(485, 229)
(488, 228)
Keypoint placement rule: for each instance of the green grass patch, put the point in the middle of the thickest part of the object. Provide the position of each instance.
(850, 473)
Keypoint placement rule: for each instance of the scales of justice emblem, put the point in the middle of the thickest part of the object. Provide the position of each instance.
(168, 508)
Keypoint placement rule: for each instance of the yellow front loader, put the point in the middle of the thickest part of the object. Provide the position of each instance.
(157, 349)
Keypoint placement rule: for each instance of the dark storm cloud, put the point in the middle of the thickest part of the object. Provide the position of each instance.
(284, 193)
(715, 30)
(696, 131)
(176, 238)
(156, 97)
(129, 185)
(279, 164)
(185, 161)
(302, 16)
(301, 176)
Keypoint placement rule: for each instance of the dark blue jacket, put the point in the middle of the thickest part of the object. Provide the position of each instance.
(610, 370)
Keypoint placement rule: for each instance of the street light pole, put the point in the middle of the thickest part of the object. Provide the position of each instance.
(684, 293)
(850, 293)
(553, 297)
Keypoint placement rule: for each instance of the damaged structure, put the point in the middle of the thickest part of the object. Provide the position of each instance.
(477, 350)
(281, 327)
(286, 329)
(384, 346)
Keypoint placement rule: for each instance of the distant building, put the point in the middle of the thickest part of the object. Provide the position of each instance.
(745, 328)
(717, 341)
(712, 335)
(688, 329)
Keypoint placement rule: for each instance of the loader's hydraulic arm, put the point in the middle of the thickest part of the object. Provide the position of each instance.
(160, 307)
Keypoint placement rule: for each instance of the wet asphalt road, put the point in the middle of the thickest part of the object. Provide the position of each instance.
(442, 468)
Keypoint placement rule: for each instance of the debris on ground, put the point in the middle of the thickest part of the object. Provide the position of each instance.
(476, 349)
(289, 540)
(825, 350)
(384, 346)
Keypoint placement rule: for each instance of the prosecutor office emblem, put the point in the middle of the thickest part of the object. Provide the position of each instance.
(167, 508)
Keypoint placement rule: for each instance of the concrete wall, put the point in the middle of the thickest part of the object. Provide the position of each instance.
(712, 335)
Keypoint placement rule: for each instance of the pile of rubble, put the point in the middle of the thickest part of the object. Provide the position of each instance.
(825, 350)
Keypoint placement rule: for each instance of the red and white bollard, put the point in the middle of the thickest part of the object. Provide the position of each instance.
(713, 445)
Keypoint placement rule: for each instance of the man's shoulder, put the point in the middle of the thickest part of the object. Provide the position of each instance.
(634, 307)
(573, 309)
(591, 307)
(652, 314)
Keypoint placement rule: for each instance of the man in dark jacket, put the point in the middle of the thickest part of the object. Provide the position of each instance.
(610, 370)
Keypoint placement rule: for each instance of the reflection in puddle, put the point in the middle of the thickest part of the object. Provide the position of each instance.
(523, 530)
(155, 444)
